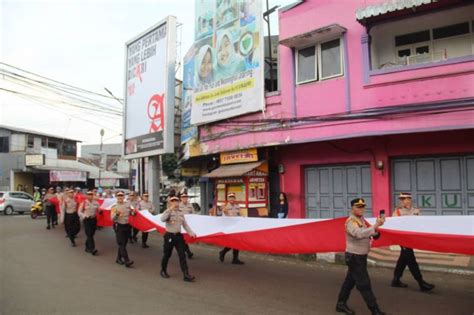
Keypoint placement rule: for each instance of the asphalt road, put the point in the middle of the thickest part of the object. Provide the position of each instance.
(40, 273)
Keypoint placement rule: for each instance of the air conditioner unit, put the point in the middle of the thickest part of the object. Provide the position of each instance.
(428, 57)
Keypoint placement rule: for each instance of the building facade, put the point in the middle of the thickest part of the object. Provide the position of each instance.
(374, 99)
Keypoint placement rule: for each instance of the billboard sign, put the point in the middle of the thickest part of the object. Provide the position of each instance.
(188, 131)
(150, 91)
(34, 159)
(67, 176)
(228, 60)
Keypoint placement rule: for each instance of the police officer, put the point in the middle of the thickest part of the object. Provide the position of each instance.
(120, 212)
(407, 256)
(187, 208)
(146, 204)
(133, 200)
(358, 235)
(231, 209)
(174, 219)
(49, 208)
(71, 221)
(88, 211)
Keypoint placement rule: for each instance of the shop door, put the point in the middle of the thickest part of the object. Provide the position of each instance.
(329, 189)
(440, 185)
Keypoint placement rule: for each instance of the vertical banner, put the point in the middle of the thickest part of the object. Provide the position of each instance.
(228, 60)
(150, 91)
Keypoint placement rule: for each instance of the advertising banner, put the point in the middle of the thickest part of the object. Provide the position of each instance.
(228, 60)
(241, 156)
(67, 176)
(188, 131)
(150, 91)
(34, 159)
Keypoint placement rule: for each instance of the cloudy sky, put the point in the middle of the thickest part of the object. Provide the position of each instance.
(79, 42)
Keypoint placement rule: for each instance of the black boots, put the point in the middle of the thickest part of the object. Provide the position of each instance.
(129, 263)
(237, 261)
(341, 307)
(144, 245)
(119, 261)
(164, 274)
(190, 255)
(49, 227)
(376, 311)
(221, 255)
(396, 283)
(425, 286)
(188, 277)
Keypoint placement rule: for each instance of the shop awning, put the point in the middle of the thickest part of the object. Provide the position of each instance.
(73, 165)
(234, 170)
(314, 36)
(388, 7)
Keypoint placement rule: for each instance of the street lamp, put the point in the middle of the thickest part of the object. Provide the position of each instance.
(102, 132)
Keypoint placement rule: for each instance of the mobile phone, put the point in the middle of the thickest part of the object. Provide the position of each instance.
(382, 213)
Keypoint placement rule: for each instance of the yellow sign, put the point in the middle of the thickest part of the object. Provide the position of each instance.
(242, 156)
(190, 171)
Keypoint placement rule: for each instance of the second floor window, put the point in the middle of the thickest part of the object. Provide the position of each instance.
(319, 62)
(4, 145)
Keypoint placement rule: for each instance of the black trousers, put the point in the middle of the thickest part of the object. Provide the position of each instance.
(51, 215)
(171, 241)
(72, 225)
(90, 226)
(186, 248)
(122, 233)
(358, 276)
(134, 233)
(144, 237)
(235, 252)
(407, 258)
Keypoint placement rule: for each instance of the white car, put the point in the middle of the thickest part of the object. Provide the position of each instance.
(15, 201)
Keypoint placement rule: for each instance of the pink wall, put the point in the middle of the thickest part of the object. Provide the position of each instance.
(365, 150)
(416, 86)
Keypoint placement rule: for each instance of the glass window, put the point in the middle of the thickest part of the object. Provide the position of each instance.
(331, 58)
(306, 63)
(4, 145)
(31, 141)
(451, 30)
(422, 50)
(25, 196)
(404, 52)
(412, 38)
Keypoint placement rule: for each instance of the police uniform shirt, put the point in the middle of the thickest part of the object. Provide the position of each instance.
(134, 203)
(147, 205)
(90, 208)
(47, 197)
(186, 208)
(120, 212)
(70, 205)
(358, 235)
(231, 210)
(174, 220)
(402, 211)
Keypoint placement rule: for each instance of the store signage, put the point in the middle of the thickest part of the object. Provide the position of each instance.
(230, 181)
(190, 171)
(34, 159)
(67, 176)
(256, 173)
(241, 156)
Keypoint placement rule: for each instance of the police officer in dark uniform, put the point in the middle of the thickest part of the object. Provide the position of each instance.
(407, 256)
(88, 211)
(174, 219)
(120, 213)
(358, 235)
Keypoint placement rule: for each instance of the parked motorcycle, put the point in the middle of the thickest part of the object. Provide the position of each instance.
(36, 209)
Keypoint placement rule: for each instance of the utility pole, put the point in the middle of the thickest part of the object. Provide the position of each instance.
(101, 155)
(266, 17)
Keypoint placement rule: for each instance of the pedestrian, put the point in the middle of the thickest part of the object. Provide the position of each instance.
(36, 194)
(231, 209)
(282, 206)
(133, 200)
(49, 208)
(407, 256)
(60, 196)
(71, 221)
(146, 204)
(187, 208)
(88, 211)
(174, 239)
(358, 237)
(120, 213)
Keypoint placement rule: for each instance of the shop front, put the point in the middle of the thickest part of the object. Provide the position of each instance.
(248, 181)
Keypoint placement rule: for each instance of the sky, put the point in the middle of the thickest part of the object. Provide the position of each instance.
(80, 42)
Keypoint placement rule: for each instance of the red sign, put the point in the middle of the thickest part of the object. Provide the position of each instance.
(155, 112)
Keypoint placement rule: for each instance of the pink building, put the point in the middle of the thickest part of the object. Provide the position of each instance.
(374, 99)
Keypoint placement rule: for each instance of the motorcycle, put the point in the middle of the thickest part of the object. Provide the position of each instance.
(36, 209)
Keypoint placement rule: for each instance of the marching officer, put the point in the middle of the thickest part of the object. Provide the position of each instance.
(173, 238)
(358, 237)
(407, 256)
(120, 212)
(187, 208)
(88, 210)
(72, 225)
(49, 208)
(133, 201)
(146, 204)
(231, 209)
